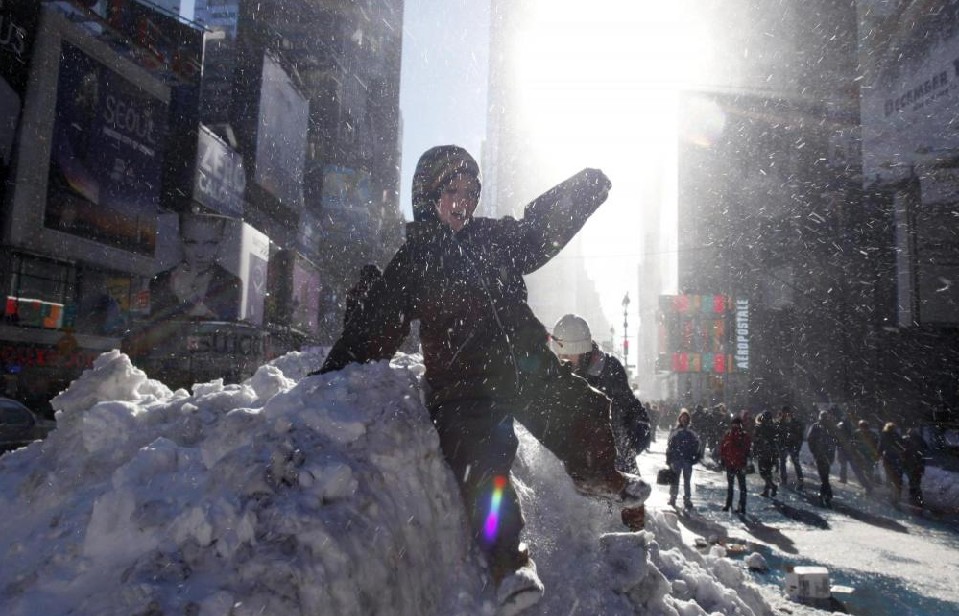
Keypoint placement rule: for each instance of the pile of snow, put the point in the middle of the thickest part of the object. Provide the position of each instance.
(290, 494)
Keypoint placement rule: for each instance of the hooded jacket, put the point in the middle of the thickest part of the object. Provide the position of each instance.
(480, 339)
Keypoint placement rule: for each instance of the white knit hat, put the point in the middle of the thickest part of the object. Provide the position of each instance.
(571, 336)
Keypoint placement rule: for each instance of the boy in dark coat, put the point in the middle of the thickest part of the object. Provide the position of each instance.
(822, 445)
(572, 341)
(486, 354)
(734, 456)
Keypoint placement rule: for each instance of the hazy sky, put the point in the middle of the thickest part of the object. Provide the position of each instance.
(443, 80)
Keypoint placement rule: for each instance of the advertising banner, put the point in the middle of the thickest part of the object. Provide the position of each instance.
(907, 112)
(107, 156)
(254, 259)
(220, 179)
(346, 189)
(203, 283)
(281, 132)
(306, 296)
(695, 334)
(213, 269)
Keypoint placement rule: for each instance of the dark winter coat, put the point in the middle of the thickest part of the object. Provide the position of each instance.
(790, 434)
(480, 339)
(867, 444)
(891, 448)
(683, 447)
(914, 453)
(822, 441)
(766, 440)
(606, 373)
(734, 449)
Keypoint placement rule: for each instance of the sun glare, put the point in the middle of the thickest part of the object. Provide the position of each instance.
(599, 86)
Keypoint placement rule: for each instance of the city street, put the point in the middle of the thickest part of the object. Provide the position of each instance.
(885, 561)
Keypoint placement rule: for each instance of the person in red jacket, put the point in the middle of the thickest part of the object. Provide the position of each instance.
(734, 455)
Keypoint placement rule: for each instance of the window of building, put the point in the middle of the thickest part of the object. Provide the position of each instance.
(41, 279)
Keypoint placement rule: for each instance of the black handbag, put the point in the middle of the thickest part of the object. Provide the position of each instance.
(665, 476)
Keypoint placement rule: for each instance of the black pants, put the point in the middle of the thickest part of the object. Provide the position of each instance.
(785, 456)
(568, 417)
(766, 462)
(825, 490)
(479, 444)
(740, 477)
(893, 470)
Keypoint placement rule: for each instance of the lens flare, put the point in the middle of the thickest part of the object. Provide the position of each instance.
(491, 527)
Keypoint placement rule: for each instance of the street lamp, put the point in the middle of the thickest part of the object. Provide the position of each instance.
(625, 327)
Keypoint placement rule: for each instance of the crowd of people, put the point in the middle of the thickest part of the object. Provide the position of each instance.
(739, 445)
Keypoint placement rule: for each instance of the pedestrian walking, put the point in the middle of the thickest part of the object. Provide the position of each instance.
(866, 442)
(683, 449)
(822, 445)
(914, 452)
(790, 432)
(766, 451)
(734, 456)
(890, 455)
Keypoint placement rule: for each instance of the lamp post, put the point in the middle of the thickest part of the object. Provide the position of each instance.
(625, 328)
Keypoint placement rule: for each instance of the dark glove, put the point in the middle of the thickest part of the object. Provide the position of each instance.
(590, 187)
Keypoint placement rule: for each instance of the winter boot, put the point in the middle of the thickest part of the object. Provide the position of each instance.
(519, 590)
(672, 501)
(687, 504)
(773, 490)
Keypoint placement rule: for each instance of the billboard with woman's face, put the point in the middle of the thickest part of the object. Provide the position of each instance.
(213, 268)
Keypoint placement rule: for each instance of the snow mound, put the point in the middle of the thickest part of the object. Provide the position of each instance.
(290, 494)
(331, 497)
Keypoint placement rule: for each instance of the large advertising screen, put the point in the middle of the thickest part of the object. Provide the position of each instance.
(703, 333)
(281, 132)
(213, 268)
(219, 178)
(306, 296)
(107, 156)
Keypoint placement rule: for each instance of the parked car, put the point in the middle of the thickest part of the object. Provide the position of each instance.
(20, 426)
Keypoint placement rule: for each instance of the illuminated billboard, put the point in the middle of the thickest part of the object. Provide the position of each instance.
(107, 156)
(306, 296)
(215, 270)
(219, 178)
(281, 132)
(89, 181)
(703, 333)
